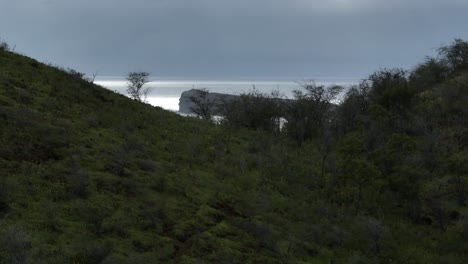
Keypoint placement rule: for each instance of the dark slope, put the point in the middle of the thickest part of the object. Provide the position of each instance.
(90, 176)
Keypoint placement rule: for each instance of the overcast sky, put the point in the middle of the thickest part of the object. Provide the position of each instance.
(232, 38)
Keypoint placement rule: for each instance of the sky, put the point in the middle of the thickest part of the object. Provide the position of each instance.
(232, 38)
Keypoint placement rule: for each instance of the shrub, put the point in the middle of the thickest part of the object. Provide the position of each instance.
(15, 245)
(4, 46)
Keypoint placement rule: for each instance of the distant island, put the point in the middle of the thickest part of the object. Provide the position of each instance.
(186, 104)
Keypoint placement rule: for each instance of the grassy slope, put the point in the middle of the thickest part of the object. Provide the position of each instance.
(88, 175)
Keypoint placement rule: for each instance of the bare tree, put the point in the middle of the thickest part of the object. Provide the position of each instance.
(254, 110)
(91, 79)
(203, 105)
(318, 93)
(455, 55)
(312, 111)
(136, 81)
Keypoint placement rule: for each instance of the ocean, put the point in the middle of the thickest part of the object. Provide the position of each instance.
(166, 92)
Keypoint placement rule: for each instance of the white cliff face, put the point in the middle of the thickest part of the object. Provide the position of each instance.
(185, 105)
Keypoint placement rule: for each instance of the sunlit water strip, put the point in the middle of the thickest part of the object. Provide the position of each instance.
(166, 93)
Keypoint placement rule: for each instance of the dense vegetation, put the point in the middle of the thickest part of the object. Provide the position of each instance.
(91, 176)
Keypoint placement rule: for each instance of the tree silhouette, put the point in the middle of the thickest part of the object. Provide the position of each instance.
(136, 81)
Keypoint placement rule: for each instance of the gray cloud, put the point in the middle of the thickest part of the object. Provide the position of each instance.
(242, 38)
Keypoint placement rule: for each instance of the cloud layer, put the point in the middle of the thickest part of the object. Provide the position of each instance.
(242, 38)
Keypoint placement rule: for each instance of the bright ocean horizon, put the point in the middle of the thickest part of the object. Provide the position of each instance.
(166, 92)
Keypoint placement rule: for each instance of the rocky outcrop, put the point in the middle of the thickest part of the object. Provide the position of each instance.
(186, 104)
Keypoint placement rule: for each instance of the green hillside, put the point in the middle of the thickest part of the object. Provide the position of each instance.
(91, 176)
